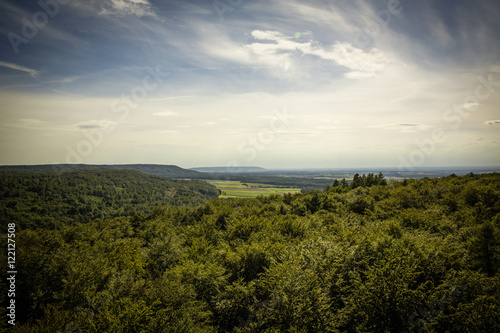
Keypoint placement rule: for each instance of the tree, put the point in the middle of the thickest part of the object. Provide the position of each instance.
(485, 246)
(381, 179)
(357, 181)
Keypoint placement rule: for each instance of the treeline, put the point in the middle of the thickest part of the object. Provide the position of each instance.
(52, 199)
(358, 181)
(414, 256)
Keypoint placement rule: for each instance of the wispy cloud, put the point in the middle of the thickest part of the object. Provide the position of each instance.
(33, 124)
(165, 114)
(207, 124)
(404, 127)
(470, 105)
(279, 53)
(34, 73)
(127, 7)
(360, 64)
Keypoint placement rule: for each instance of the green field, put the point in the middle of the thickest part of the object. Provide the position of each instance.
(237, 189)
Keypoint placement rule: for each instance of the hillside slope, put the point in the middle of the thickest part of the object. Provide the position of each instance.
(50, 200)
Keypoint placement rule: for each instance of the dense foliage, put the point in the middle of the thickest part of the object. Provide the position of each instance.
(415, 256)
(53, 199)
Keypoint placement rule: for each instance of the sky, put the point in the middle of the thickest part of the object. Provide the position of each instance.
(276, 84)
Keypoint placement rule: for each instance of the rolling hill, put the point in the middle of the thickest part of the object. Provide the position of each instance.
(170, 171)
(51, 200)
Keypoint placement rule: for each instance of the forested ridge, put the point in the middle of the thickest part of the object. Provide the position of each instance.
(54, 199)
(171, 171)
(411, 256)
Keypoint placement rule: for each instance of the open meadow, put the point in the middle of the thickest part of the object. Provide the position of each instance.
(238, 189)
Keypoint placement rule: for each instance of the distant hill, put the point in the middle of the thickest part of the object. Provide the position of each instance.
(246, 169)
(51, 200)
(170, 171)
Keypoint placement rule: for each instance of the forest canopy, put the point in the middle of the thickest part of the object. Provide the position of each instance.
(54, 199)
(415, 256)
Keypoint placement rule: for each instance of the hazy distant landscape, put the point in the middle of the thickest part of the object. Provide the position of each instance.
(288, 180)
